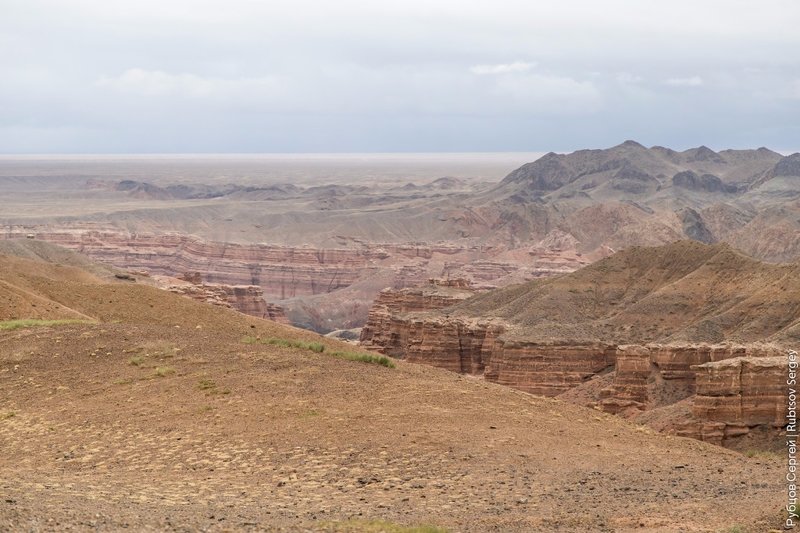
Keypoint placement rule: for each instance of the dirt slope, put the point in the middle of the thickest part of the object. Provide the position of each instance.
(683, 291)
(158, 416)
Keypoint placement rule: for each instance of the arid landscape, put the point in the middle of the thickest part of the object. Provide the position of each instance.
(126, 406)
(580, 363)
(426, 266)
(322, 242)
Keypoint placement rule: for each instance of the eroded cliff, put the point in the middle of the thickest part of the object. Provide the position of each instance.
(536, 337)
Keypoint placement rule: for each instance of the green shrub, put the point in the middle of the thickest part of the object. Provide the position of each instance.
(365, 358)
(33, 322)
(286, 343)
(376, 526)
(206, 384)
(318, 347)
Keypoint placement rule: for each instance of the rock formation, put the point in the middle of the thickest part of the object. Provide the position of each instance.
(537, 337)
(380, 334)
(285, 273)
(734, 396)
(655, 375)
(247, 299)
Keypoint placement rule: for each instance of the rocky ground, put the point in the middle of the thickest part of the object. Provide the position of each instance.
(157, 415)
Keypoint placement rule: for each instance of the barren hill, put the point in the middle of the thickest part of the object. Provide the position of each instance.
(685, 291)
(161, 412)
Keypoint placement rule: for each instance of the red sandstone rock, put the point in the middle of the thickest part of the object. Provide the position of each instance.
(735, 396)
(247, 299)
(385, 334)
(655, 375)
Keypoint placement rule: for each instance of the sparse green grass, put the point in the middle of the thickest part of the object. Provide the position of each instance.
(164, 371)
(377, 526)
(10, 325)
(365, 358)
(318, 347)
(286, 343)
(136, 360)
(761, 454)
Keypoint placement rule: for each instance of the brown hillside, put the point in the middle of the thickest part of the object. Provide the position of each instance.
(160, 417)
(682, 291)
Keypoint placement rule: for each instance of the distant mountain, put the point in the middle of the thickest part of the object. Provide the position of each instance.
(632, 195)
(632, 162)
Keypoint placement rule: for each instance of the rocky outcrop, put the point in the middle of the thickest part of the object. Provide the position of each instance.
(386, 334)
(247, 299)
(693, 225)
(733, 387)
(656, 375)
(706, 183)
(476, 347)
(734, 396)
(546, 369)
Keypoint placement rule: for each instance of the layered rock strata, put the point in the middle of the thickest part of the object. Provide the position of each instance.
(733, 388)
(383, 334)
(655, 375)
(734, 396)
(247, 299)
(288, 273)
(476, 347)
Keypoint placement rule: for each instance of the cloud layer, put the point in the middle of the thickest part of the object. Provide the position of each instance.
(310, 75)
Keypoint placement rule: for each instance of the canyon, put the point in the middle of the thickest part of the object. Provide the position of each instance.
(291, 275)
(323, 237)
(559, 279)
(607, 336)
(98, 371)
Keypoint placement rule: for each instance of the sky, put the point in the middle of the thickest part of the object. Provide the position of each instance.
(273, 76)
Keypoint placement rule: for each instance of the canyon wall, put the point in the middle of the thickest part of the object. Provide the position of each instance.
(295, 273)
(732, 388)
(247, 299)
(655, 375)
(381, 334)
(734, 396)
(475, 346)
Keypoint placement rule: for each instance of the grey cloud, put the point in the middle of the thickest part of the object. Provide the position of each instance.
(240, 75)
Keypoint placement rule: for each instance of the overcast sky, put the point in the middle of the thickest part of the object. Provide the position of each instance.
(114, 76)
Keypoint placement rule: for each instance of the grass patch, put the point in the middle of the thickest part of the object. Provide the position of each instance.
(10, 325)
(6, 416)
(377, 526)
(136, 361)
(365, 358)
(761, 454)
(318, 347)
(206, 384)
(164, 371)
